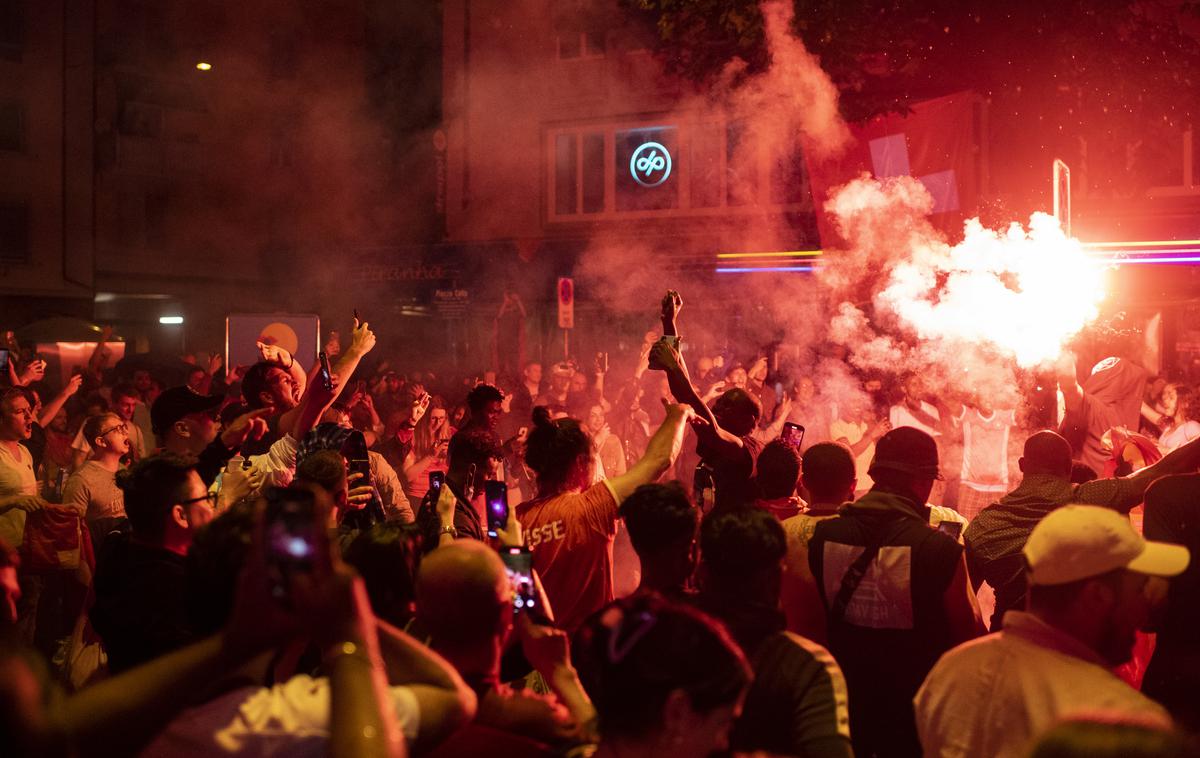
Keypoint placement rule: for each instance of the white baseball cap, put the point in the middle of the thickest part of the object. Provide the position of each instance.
(1080, 541)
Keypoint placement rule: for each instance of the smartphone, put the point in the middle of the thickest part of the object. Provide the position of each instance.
(518, 562)
(793, 434)
(496, 494)
(354, 450)
(291, 537)
(436, 480)
(326, 374)
(952, 528)
(3, 359)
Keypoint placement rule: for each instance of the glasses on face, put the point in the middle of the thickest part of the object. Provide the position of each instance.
(122, 428)
(209, 499)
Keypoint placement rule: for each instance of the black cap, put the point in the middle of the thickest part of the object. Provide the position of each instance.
(908, 450)
(177, 402)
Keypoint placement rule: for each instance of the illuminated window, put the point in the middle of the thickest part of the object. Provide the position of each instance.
(694, 167)
(646, 178)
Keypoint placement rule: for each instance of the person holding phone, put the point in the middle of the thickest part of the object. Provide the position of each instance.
(456, 512)
(465, 602)
(430, 449)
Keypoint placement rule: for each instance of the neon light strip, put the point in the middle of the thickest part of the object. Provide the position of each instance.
(765, 269)
(1180, 250)
(1152, 243)
(1122, 261)
(792, 254)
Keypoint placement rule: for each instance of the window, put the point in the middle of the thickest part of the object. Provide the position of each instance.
(578, 173)
(705, 166)
(12, 29)
(14, 231)
(566, 177)
(702, 167)
(12, 126)
(741, 168)
(645, 173)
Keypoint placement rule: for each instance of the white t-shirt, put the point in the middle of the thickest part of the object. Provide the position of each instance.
(16, 478)
(899, 415)
(994, 695)
(1180, 435)
(985, 449)
(289, 719)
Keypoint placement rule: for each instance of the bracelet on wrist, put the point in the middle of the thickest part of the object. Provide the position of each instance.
(347, 649)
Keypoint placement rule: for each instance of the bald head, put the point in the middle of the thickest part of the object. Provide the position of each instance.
(463, 594)
(1047, 452)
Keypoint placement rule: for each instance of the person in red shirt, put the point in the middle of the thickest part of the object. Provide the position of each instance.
(570, 526)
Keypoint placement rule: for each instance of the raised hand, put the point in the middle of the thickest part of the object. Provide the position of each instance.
(275, 354)
(672, 303)
(34, 372)
(362, 339)
(252, 425)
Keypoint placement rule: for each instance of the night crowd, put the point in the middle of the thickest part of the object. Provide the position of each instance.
(568, 558)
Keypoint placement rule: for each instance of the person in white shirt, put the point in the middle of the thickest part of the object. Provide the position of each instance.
(913, 410)
(984, 477)
(1089, 572)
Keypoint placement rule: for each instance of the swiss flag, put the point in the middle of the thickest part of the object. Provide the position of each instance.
(936, 143)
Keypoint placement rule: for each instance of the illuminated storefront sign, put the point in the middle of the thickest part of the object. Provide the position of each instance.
(650, 164)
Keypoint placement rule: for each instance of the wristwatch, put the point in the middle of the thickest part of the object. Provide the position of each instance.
(449, 529)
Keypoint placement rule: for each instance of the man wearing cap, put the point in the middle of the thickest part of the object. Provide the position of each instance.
(1089, 573)
(895, 590)
(995, 537)
(185, 424)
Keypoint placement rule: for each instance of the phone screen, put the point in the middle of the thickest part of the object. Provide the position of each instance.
(4, 359)
(436, 480)
(497, 505)
(793, 434)
(952, 528)
(291, 538)
(326, 374)
(518, 562)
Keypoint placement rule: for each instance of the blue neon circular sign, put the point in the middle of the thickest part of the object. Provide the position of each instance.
(650, 164)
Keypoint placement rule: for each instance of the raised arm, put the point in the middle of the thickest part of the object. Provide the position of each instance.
(660, 453)
(446, 702)
(1067, 381)
(51, 409)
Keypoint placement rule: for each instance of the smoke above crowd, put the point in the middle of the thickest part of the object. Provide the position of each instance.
(971, 316)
